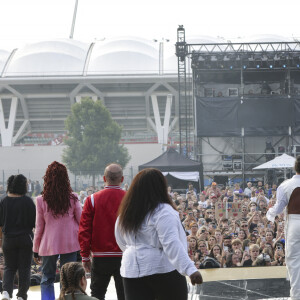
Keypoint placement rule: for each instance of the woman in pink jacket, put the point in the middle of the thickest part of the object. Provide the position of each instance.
(58, 213)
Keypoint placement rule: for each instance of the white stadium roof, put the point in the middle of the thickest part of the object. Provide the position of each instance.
(58, 57)
(121, 56)
(68, 57)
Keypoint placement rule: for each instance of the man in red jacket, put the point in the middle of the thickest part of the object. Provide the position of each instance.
(96, 234)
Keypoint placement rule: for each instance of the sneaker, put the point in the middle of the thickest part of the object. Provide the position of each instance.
(20, 298)
(5, 296)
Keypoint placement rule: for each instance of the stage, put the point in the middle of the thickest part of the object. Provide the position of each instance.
(227, 284)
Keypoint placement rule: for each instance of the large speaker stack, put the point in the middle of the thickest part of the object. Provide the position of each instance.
(232, 163)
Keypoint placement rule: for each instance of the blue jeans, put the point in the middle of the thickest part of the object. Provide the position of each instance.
(49, 272)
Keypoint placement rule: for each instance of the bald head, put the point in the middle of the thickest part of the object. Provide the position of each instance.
(113, 174)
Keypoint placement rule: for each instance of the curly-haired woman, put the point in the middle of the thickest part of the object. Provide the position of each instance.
(73, 282)
(57, 224)
(17, 219)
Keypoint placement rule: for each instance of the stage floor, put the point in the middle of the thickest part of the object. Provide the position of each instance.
(258, 283)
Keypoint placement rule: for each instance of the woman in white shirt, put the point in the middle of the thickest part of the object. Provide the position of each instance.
(154, 245)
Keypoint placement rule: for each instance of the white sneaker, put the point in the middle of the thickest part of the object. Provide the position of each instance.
(5, 296)
(20, 298)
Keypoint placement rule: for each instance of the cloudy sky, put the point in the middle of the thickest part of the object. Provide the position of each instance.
(26, 21)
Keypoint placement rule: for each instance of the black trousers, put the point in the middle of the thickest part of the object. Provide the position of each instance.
(17, 252)
(102, 270)
(166, 286)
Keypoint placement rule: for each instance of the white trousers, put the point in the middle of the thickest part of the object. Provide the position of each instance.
(292, 254)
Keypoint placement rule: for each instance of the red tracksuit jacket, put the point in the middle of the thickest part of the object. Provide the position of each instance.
(97, 224)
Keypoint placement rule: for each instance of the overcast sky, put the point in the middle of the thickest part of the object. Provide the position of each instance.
(26, 21)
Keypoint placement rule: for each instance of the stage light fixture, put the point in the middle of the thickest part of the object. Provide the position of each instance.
(284, 66)
(271, 66)
(244, 67)
(257, 66)
(231, 67)
(298, 66)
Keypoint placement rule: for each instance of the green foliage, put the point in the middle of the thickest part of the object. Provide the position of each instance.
(93, 139)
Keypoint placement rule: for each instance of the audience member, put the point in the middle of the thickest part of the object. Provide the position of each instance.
(248, 189)
(2, 192)
(149, 232)
(57, 223)
(17, 219)
(96, 234)
(73, 282)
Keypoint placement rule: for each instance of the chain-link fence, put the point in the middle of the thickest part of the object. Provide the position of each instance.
(79, 181)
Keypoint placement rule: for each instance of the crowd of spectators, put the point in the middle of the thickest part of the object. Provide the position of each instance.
(82, 195)
(213, 242)
(243, 241)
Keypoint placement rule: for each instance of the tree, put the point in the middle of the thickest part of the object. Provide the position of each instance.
(93, 139)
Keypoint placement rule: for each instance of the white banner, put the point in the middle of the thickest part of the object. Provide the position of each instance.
(189, 176)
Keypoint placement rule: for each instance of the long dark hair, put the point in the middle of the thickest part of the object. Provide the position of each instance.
(147, 190)
(211, 253)
(70, 275)
(57, 189)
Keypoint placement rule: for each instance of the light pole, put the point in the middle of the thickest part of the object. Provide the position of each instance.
(161, 53)
(74, 20)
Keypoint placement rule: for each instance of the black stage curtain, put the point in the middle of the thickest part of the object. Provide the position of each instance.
(265, 113)
(217, 117)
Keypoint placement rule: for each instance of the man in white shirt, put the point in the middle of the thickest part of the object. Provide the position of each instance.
(288, 194)
(247, 190)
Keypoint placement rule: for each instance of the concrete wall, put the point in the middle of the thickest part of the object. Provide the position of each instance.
(33, 161)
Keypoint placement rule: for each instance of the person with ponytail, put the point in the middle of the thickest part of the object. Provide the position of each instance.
(73, 282)
(150, 233)
(57, 224)
(17, 219)
(288, 196)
